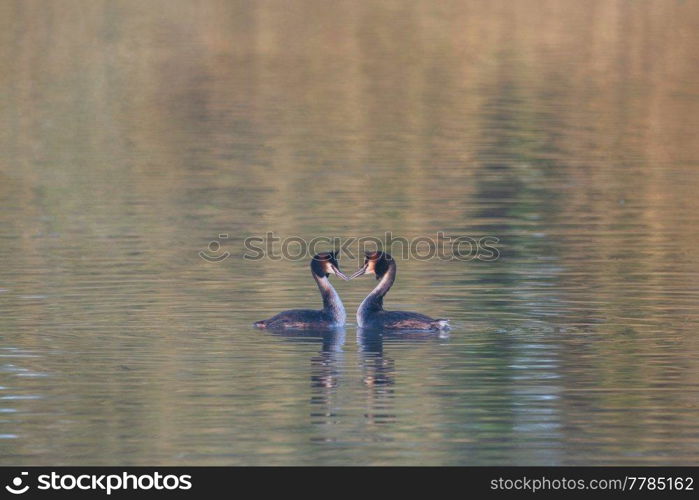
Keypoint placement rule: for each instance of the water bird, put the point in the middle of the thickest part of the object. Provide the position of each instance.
(371, 314)
(333, 313)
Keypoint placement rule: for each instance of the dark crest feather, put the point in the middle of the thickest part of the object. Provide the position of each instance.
(381, 262)
(318, 261)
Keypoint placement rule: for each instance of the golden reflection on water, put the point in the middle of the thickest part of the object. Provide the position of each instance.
(132, 134)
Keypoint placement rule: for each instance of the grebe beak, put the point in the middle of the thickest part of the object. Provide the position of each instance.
(359, 271)
(340, 273)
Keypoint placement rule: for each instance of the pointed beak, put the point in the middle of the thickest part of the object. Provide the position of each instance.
(340, 273)
(359, 272)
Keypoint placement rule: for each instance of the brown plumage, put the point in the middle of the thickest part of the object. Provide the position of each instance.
(333, 313)
(371, 314)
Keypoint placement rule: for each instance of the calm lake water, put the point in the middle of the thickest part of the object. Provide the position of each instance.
(133, 133)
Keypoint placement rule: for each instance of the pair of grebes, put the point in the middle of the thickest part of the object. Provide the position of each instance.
(370, 315)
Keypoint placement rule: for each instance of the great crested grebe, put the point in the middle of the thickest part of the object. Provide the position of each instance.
(371, 314)
(333, 312)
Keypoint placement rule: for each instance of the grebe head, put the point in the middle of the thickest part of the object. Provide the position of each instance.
(377, 263)
(325, 264)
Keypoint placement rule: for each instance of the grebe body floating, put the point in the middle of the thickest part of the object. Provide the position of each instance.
(333, 313)
(371, 314)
